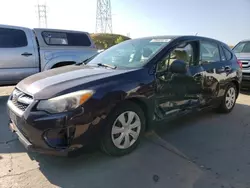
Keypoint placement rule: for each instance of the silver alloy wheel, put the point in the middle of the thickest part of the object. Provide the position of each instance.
(126, 130)
(230, 98)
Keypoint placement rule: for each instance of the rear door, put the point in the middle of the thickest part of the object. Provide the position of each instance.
(216, 69)
(18, 56)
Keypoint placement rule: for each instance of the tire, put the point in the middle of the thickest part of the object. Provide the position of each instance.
(115, 132)
(229, 99)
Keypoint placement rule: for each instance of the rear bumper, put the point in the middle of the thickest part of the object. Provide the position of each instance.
(245, 84)
(245, 80)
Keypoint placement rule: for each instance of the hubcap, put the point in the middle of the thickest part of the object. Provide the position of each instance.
(126, 129)
(230, 98)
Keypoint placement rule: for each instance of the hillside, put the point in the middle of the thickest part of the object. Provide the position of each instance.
(104, 41)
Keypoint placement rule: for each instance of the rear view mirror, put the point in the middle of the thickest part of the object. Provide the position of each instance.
(178, 66)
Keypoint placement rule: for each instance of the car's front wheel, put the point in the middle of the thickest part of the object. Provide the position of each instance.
(124, 128)
(229, 99)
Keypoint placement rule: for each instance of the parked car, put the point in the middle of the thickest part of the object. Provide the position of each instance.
(112, 99)
(242, 51)
(25, 51)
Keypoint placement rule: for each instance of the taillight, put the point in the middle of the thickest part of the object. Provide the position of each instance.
(239, 63)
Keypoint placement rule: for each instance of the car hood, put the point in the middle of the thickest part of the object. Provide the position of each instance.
(243, 56)
(49, 83)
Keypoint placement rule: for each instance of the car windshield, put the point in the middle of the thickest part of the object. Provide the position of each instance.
(131, 53)
(242, 47)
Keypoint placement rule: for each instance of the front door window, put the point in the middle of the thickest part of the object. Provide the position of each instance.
(184, 52)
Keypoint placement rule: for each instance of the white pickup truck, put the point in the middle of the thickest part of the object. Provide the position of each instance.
(25, 51)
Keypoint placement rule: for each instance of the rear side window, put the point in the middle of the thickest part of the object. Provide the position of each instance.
(55, 38)
(222, 54)
(209, 52)
(67, 39)
(12, 38)
(78, 39)
(227, 53)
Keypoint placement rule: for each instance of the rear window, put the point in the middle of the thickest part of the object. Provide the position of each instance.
(227, 53)
(67, 39)
(242, 47)
(12, 38)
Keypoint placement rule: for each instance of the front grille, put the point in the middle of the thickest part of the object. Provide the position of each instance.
(246, 73)
(20, 99)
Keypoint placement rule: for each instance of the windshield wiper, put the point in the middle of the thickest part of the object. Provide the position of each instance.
(87, 60)
(106, 65)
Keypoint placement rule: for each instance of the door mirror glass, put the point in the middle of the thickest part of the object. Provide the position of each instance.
(178, 66)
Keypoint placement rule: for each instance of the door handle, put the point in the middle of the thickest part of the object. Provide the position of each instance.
(228, 68)
(220, 70)
(26, 54)
(198, 77)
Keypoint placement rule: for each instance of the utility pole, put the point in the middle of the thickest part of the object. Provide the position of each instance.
(103, 17)
(42, 15)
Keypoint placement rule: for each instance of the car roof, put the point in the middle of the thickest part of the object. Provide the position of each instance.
(59, 30)
(185, 37)
(13, 26)
(245, 40)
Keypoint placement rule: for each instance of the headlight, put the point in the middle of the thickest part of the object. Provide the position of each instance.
(65, 102)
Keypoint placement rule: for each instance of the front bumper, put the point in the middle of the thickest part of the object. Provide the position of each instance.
(37, 130)
(32, 148)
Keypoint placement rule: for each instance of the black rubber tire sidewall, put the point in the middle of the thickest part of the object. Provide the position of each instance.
(223, 107)
(107, 144)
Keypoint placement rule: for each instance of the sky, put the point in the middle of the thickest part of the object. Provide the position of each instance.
(225, 20)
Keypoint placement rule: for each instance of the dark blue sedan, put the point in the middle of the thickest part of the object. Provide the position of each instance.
(113, 97)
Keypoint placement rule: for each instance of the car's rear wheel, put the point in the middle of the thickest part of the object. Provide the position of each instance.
(123, 130)
(229, 99)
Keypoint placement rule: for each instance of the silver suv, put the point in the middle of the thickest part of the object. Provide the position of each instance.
(242, 52)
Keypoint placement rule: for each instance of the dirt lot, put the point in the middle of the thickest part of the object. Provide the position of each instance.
(209, 151)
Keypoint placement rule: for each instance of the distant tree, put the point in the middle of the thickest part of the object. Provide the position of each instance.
(119, 40)
(105, 45)
(104, 40)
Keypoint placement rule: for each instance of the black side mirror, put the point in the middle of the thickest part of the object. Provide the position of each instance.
(178, 66)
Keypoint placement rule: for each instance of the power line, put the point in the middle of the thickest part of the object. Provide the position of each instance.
(103, 17)
(42, 15)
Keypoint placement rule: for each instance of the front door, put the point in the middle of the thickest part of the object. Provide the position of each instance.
(176, 92)
(18, 56)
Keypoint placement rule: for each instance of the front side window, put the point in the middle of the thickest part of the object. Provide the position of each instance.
(242, 47)
(209, 52)
(184, 52)
(131, 53)
(12, 38)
